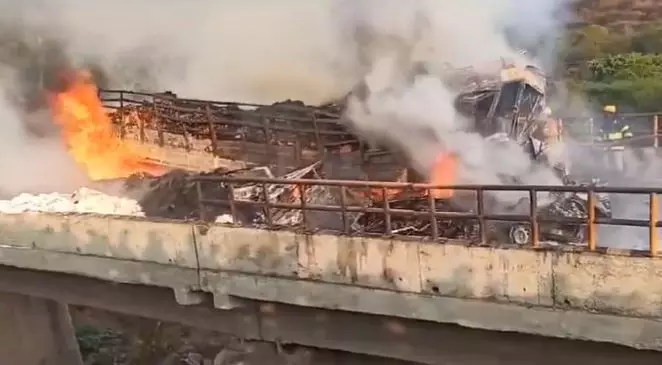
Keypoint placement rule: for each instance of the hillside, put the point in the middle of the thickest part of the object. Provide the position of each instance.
(624, 15)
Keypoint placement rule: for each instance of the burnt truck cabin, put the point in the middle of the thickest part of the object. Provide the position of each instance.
(507, 105)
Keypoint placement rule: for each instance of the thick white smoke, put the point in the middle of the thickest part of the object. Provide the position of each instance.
(259, 50)
(421, 115)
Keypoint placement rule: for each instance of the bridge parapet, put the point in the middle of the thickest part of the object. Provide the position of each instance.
(557, 293)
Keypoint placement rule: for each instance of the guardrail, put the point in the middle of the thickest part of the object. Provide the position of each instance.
(344, 193)
(645, 127)
(248, 127)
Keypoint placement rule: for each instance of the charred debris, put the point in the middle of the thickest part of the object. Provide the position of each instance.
(206, 197)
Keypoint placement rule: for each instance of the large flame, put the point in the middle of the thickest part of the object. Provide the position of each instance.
(444, 173)
(89, 134)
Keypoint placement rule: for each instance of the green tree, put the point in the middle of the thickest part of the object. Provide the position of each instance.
(648, 40)
(628, 66)
(641, 95)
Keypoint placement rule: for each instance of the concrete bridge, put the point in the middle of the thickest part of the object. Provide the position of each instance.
(432, 303)
(427, 301)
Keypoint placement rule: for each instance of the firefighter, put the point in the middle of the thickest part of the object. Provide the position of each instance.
(553, 127)
(614, 132)
(554, 150)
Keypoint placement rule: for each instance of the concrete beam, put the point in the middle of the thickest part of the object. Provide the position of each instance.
(36, 331)
(603, 283)
(412, 340)
(642, 333)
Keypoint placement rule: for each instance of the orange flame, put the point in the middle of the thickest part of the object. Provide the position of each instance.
(444, 173)
(379, 195)
(89, 135)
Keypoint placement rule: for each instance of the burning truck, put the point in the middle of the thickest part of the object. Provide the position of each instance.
(507, 108)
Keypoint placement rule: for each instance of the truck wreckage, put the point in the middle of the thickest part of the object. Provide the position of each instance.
(504, 108)
(508, 109)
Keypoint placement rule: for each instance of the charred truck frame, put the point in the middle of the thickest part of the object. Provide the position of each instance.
(509, 109)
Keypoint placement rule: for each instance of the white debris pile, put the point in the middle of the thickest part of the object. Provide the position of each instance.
(83, 200)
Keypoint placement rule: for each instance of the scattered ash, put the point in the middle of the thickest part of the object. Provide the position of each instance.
(83, 200)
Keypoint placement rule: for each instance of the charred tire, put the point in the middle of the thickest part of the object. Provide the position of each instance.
(520, 234)
(582, 234)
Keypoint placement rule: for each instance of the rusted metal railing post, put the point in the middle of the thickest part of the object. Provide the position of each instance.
(434, 227)
(122, 114)
(185, 131)
(158, 122)
(298, 149)
(201, 206)
(212, 129)
(304, 208)
(533, 217)
(318, 137)
(592, 231)
(343, 209)
(388, 229)
(267, 206)
(141, 125)
(480, 211)
(267, 141)
(233, 204)
(652, 227)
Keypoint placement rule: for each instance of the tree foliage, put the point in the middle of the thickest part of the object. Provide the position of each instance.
(642, 95)
(626, 66)
(617, 67)
(648, 40)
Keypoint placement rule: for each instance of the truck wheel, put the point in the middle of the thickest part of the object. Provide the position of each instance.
(520, 234)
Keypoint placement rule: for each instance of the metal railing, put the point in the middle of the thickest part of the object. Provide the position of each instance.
(230, 130)
(341, 200)
(645, 127)
(297, 126)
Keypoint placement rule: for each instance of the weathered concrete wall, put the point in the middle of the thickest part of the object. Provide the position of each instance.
(120, 249)
(562, 294)
(595, 282)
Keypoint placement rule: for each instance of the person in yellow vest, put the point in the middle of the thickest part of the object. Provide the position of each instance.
(614, 132)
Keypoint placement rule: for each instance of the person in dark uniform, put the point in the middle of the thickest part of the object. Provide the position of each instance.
(614, 132)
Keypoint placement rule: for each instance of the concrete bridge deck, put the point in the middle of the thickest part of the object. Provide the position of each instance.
(402, 285)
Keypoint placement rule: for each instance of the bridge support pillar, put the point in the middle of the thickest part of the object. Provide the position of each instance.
(36, 331)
